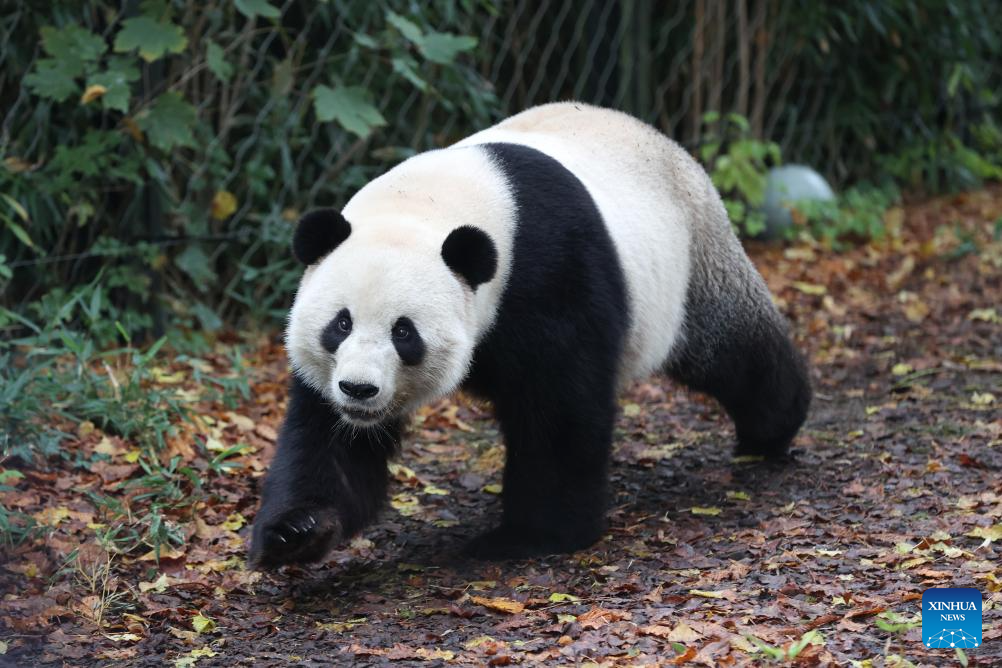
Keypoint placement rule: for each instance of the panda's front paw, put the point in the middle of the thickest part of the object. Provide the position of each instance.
(300, 535)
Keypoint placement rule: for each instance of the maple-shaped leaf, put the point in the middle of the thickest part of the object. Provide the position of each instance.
(116, 80)
(53, 79)
(349, 106)
(72, 43)
(168, 122)
(153, 38)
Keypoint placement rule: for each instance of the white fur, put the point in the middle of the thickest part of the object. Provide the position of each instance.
(391, 266)
(651, 194)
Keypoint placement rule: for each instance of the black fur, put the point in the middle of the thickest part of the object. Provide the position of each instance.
(327, 481)
(549, 364)
(318, 233)
(410, 348)
(753, 369)
(332, 336)
(469, 252)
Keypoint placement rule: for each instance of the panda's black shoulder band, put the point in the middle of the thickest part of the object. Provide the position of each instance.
(318, 233)
(469, 252)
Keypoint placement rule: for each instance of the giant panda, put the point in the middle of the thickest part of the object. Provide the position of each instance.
(541, 264)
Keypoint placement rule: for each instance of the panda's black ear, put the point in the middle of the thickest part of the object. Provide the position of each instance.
(318, 233)
(469, 252)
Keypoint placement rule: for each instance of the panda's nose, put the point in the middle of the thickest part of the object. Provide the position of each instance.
(358, 390)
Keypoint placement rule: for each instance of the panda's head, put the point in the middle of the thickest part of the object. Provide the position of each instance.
(383, 320)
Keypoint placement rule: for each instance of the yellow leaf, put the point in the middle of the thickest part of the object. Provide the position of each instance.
(916, 311)
(341, 627)
(203, 624)
(709, 510)
(159, 585)
(562, 598)
(234, 521)
(214, 444)
(435, 654)
(738, 496)
(912, 563)
(706, 594)
(500, 604)
(478, 641)
(218, 565)
(224, 203)
(493, 488)
(93, 92)
(122, 637)
(982, 398)
(631, 410)
(683, 633)
(901, 369)
(402, 473)
(192, 657)
(52, 516)
(31, 570)
(164, 554)
(405, 504)
(160, 375)
(434, 491)
(985, 315)
(85, 428)
(107, 447)
(990, 534)
(810, 288)
(132, 456)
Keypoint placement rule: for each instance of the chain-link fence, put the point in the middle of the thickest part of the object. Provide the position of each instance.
(227, 98)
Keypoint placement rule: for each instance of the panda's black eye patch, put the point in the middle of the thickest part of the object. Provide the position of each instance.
(336, 331)
(407, 341)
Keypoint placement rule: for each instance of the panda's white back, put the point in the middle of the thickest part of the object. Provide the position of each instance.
(649, 191)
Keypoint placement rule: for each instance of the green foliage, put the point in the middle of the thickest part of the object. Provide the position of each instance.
(349, 106)
(252, 8)
(854, 216)
(135, 122)
(893, 622)
(153, 38)
(438, 47)
(917, 80)
(738, 165)
(791, 652)
(168, 122)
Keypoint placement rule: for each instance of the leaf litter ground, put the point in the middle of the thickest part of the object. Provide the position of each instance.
(894, 487)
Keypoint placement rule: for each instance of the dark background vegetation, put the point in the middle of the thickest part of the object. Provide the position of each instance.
(167, 201)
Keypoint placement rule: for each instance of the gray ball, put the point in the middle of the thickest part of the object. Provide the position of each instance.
(790, 183)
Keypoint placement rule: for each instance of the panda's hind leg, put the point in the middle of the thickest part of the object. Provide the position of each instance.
(746, 360)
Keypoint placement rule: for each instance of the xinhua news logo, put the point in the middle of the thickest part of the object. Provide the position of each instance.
(951, 618)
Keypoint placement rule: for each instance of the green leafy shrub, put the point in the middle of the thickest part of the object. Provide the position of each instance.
(159, 153)
(854, 216)
(738, 165)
